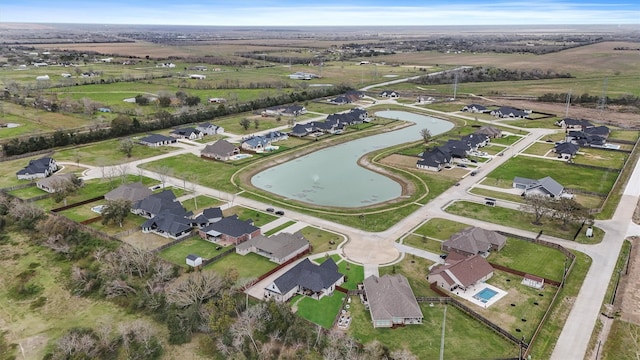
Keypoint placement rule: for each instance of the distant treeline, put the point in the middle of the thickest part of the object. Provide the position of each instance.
(486, 74)
(161, 120)
(586, 99)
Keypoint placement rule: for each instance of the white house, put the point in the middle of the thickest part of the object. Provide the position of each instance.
(42, 77)
(533, 281)
(197, 76)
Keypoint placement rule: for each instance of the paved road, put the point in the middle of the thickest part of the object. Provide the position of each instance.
(374, 249)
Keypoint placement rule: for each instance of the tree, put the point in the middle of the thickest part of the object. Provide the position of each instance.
(116, 211)
(192, 100)
(568, 210)
(164, 101)
(194, 288)
(126, 146)
(121, 125)
(64, 187)
(256, 123)
(245, 123)
(222, 313)
(538, 205)
(164, 172)
(426, 135)
(142, 100)
(247, 324)
(139, 341)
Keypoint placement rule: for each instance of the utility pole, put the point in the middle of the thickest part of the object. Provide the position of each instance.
(602, 104)
(455, 85)
(566, 110)
(444, 322)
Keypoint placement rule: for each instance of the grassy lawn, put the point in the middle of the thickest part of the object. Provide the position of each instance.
(130, 222)
(248, 266)
(279, 228)
(322, 312)
(623, 341)
(194, 245)
(354, 274)
(27, 193)
(440, 228)
(506, 140)
(108, 153)
(531, 258)
(593, 180)
(259, 218)
(496, 194)
(600, 157)
(532, 124)
(628, 135)
(464, 337)
(321, 240)
(424, 243)
(203, 202)
(539, 148)
(415, 269)
(521, 220)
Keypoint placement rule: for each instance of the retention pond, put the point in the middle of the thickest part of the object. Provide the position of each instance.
(332, 176)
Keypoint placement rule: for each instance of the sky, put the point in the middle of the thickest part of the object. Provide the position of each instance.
(322, 13)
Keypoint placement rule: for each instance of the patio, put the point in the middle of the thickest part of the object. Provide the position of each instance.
(471, 293)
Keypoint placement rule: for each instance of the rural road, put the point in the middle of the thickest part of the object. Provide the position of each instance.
(374, 249)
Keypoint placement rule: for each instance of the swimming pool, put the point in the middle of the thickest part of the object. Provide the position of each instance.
(98, 209)
(240, 156)
(485, 295)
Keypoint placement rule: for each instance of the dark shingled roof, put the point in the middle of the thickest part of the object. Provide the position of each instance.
(309, 276)
(232, 226)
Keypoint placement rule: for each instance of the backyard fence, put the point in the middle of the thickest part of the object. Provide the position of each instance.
(522, 273)
(19, 186)
(79, 203)
(219, 256)
(273, 271)
(169, 244)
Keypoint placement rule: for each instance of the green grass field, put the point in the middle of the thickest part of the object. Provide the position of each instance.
(594, 180)
(194, 245)
(531, 258)
(424, 243)
(108, 153)
(441, 229)
(259, 218)
(322, 312)
(321, 240)
(249, 266)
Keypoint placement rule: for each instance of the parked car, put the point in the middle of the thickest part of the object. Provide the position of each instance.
(280, 212)
(473, 161)
(270, 210)
(462, 165)
(473, 173)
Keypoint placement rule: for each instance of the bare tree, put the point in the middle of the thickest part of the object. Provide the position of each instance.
(64, 187)
(194, 288)
(538, 205)
(25, 214)
(164, 172)
(248, 322)
(403, 354)
(139, 340)
(426, 135)
(568, 210)
(126, 146)
(122, 170)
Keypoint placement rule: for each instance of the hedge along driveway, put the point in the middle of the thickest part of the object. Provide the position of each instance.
(569, 176)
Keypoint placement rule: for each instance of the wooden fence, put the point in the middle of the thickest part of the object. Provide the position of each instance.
(79, 203)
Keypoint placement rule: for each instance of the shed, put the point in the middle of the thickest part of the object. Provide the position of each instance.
(533, 281)
(194, 260)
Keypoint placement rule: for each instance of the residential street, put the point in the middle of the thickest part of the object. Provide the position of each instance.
(374, 249)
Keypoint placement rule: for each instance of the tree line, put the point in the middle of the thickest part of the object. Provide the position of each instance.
(587, 99)
(124, 125)
(488, 74)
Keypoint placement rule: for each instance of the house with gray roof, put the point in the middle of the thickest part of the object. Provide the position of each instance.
(475, 108)
(220, 150)
(55, 182)
(546, 186)
(37, 169)
(509, 112)
(255, 143)
(391, 301)
(157, 203)
(155, 140)
(461, 274)
(574, 124)
(566, 150)
(435, 159)
(489, 131)
(210, 129)
(175, 226)
(306, 278)
(473, 241)
(230, 230)
(277, 248)
(133, 192)
(187, 133)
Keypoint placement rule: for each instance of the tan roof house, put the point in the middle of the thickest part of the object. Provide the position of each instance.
(474, 240)
(132, 192)
(55, 182)
(461, 274)
(220, 150)
(391, 301)
(277, 248)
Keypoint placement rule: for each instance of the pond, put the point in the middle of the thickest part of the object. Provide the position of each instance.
(332, 176)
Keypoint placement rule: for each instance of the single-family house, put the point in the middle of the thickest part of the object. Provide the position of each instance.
(187, 133)
(299, 75)
(348, 97)
(42, 77)
(274, 136)
(210, 129)
(457, 148)
(546, 186)
(508, 112)
(461, 274)
(132, 192)
(220, 150)
(574, 124)
(601, 131)
(212, 214)
(533, 281)
(306, 278)
(489, 131)
(255, 143)
(55, 182)
(230, 230)
(197, 76)
(301, 130)
(216, 100)
(155, 140)
(277, 248)
(473, 241)
(193, 260)
(155, 204)
(389, 94)
(435, 159)
(566, 150)
(281, 110)
(391, 301)
(475, 108)
(38, 168)
(169, 224)
(585, 139)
